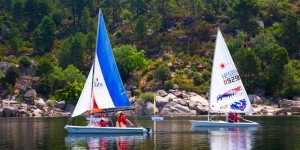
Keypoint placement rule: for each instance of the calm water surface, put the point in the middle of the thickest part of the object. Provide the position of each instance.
(172, 133)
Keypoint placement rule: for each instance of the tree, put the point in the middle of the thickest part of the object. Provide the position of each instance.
(290, 32)
(44, 36)
(129, 60)
(11, 75)
(248, 65)
(90, 44)
(73, 51)
(25, 61)
(162, 73)
(291, 79)
(141, 28)
(44, 67)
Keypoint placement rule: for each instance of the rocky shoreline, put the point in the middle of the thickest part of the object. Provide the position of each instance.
(169, 103)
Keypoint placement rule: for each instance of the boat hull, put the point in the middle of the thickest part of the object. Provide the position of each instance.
(106, 130)
(157, 118)
(197, 123)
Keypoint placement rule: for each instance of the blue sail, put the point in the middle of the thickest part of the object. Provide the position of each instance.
(109, 70)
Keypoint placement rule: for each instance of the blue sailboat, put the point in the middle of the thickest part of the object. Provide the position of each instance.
(103, 87)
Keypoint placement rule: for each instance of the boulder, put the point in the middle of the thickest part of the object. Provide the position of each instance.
(281, 112)
(295, 109)
(264, 111)
(285, 103)
(199, 99)
(296, 98)
(177, 93)
(40, 103)
(254, 99)
(148, 108)
(69, 108)
(185, 95)
(60, 105)
(171, 97)
(161, 101)
(30, 95)
(173, 108)
(37, 113)
(9, 111)
(162, 93)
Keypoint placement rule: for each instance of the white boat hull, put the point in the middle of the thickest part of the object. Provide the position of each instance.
(157, 118)
(106, 130)
(197, 123)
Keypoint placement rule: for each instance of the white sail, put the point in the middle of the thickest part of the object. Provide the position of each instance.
(84, 101)
(227, 91)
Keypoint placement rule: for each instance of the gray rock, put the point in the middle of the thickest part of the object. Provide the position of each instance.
(162, 93)
(185, 96)
(285, 103)
(199, 99)
(40, 103)
(69, 108)
(30, 95)
(264, 111)
(161, 101)
(177, 93)
(295, 109)
(254, 99)
(296, 98)
(9, 111)
(148, 108)
(37, 113)
(281, 112)
(173, 108)
(60, 105)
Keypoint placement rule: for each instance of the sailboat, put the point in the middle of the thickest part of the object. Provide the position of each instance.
(227, 92)
(103, 88)
(155, 111)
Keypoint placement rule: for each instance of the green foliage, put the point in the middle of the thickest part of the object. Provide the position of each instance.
(141, 28)
(248, 65)
(44, 36)
(169, 84)
(291, 79)
(147, 97)
(128, 60)
(44, 67)
(162, 73)
(73, 51)
(70, 93)
(11, 75)
(25, 61)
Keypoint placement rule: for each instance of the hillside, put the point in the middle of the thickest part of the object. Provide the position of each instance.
(158, 44)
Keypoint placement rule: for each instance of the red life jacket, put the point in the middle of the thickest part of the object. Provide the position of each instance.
(103, 123)
(231, 117)
(122, 118)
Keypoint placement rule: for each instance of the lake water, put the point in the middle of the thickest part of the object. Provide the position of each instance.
(172, 133)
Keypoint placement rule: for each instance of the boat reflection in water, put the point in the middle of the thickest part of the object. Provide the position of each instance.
(229, 138)
(104, 141)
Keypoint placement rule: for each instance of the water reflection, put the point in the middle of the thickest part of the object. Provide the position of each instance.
(104, 141)
(229, 138)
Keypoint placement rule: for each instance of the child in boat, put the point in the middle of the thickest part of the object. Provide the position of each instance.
(230, 117)
(122, 120)
(103, 123)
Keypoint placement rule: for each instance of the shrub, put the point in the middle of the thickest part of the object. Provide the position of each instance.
(169, 85)
(25, 61)
(147, 97)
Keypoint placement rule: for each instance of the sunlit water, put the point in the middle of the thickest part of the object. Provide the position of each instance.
(172, 133)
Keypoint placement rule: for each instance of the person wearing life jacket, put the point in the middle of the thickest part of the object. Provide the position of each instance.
(236, 117)
(122, 120)
(230, 117)
(103, 123)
